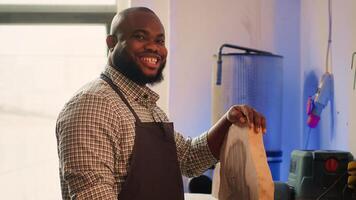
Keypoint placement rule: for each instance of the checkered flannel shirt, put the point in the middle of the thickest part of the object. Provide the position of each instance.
(95, 136)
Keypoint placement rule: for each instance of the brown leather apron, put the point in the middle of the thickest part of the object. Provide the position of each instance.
(154, 172)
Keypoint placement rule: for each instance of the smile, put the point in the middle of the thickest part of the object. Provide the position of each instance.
(149, 60)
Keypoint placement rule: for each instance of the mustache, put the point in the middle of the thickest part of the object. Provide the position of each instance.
(123, 62)
(150, 53)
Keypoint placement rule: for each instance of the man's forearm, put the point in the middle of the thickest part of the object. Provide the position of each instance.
(216, 135)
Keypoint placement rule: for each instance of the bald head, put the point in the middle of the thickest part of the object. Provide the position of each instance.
(137, 45)
(123, 19)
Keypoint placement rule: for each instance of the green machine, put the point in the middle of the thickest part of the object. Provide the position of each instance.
(319, 175)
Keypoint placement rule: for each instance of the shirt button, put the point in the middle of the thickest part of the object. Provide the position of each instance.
(145, 96)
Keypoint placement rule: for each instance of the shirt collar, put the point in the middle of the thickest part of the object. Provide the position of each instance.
(142, 94)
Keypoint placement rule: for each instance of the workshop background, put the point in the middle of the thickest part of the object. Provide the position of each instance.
(46, 54)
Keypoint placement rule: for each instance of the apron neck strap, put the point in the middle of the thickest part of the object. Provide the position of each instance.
(117, 90)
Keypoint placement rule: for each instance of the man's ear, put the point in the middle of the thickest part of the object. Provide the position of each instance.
(111, 41)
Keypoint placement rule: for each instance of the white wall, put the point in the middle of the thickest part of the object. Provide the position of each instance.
(352, 122)
(287, 43)
(198, 29)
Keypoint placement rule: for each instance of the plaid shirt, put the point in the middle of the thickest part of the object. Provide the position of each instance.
(95, 136)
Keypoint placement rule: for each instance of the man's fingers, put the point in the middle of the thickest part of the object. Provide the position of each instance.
(264, 125)
(243, 116)
(257, 122)
(236, 115)
(250, 116)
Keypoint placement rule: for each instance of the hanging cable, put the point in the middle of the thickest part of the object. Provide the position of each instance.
(328, 62)
(352, 64)
(307, 139)
(321, 196)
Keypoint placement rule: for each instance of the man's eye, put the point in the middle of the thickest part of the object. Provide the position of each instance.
(160, 41)
(139, 37)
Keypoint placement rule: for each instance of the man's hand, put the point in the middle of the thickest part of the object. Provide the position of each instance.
(241, 115)
(246, 116)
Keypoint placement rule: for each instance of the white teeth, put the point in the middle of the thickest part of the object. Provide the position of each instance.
(150, 60)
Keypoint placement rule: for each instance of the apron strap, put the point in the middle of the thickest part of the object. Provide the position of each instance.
(117, 90)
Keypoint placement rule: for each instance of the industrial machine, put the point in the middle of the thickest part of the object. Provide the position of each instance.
(316, 175)
(319, 174)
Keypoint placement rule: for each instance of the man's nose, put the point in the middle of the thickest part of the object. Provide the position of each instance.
(152, 46)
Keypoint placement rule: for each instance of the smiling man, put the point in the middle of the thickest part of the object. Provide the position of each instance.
(114, 142)
(137, 44)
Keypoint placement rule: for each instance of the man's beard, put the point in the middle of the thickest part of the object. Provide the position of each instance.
(126, 65)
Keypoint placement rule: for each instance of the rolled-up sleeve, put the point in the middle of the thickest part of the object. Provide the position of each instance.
(194, 155)
(87, 148)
